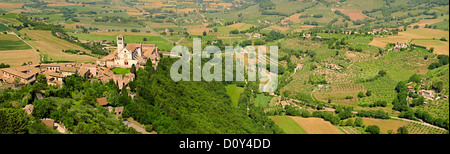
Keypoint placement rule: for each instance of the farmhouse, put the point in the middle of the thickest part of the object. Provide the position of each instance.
(429, 94)
(411, 88)
(130, 54)
(400, 45)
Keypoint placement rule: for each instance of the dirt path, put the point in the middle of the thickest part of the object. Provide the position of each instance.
(41, 56)
(137, 126)
(153, 31)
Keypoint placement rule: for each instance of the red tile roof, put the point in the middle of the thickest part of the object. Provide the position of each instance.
(102, 101)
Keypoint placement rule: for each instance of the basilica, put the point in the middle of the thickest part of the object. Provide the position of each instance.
(128, 54)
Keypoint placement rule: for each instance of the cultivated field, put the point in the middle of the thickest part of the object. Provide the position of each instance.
(18, 57)
(316, 125)
(385, 124)
(15, 52)
(132, 38)
(383, 41)
(421, 36)
(294, 18)
(237, 26)
(52, 46)
(11, 42)
(288, 125)
(262, 100)
(197, 29)
(10, 5)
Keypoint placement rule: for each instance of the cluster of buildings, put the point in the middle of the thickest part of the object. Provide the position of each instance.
(55, 72)
(130, 54)
(428, 94)
(125, 56)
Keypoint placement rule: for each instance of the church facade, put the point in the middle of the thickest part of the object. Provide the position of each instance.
(128, 54)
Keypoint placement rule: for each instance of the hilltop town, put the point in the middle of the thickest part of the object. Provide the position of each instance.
(344, 67)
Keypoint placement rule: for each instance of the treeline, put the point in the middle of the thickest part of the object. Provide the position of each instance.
(378, 114)
(293, 111)
(346, 17)
(443, 60)
(3, 65)
(36, 24)
(72, 51)
(265, 4)
(117, 19)
(327, 116)
(273, 35)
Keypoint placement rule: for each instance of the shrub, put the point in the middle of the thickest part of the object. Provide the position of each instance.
(373, 129)
(361, 94)
(359, 122)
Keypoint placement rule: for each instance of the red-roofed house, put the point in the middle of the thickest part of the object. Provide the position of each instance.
(102, 101)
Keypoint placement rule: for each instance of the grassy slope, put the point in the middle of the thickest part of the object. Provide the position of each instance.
(11, 42)
(234, 92)
(262, 100)
(288, 125)
(52, 46)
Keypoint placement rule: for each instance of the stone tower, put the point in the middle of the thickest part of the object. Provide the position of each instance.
(120, 42)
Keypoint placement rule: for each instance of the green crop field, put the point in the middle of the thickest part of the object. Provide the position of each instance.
(3, 27)
(11, 42)
(122, 71)
(234, 92)
(262, 100)
(288, 125)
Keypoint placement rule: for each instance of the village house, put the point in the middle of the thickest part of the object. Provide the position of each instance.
(256, 35)
(49, 122)
(117, 110)
(102, 101)
(23, 74)
(306, 35)
(411, 88)
(130, 54)
(399, 46)
(428, 94)
(67, 71)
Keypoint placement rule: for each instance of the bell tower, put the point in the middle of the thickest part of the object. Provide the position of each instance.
(120, 42)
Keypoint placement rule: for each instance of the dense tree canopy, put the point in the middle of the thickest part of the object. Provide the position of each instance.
(189, 107)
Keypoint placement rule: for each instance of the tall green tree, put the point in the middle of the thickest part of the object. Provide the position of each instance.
(133, 69)
(402, 130)
(13, 121)
(359, 122)
(373, 129)
(41, 83)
